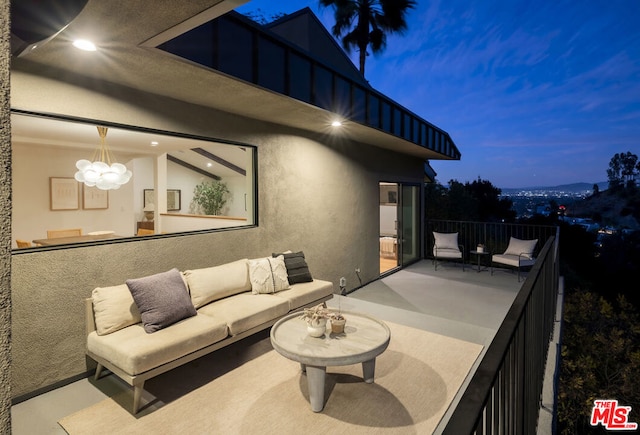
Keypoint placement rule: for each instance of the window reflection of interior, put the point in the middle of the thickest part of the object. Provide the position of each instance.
(46, 149)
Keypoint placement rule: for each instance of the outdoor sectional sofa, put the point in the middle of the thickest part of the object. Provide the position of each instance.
(150, 325)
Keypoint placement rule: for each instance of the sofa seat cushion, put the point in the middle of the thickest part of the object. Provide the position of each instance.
(245, 311)
(306, 292)
(513, 260)
(134, 351)
(447, 253)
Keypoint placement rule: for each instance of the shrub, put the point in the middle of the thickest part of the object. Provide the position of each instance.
(600, 359)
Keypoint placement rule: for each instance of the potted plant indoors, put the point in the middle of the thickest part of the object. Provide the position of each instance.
(211, 196)
(316, 318)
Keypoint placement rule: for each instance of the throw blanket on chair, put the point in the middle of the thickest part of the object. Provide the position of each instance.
(388, 246)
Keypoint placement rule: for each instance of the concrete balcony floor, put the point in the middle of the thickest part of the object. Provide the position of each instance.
(467, 305)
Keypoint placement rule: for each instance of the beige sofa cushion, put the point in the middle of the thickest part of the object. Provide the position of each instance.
(134, 351)
(114, 308)
(306, 292)
(217, 282)
(245, 311)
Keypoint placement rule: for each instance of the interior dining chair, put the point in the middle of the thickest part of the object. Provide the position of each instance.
(70, 232)
(519, 254)
(144, 232)
(23, 243)
(446, 246)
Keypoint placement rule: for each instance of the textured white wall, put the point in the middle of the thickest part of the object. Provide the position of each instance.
(317, 193)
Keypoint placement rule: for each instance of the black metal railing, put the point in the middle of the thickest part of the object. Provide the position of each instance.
(504, 394)
(494, 235)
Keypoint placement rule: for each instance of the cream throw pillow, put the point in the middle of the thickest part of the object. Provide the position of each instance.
(446, 240)
(114, 308)
(524, 247)
(268, 275)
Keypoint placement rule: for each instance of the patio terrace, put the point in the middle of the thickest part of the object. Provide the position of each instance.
(417, 296)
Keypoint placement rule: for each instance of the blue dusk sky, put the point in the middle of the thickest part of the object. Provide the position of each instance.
(532, 93)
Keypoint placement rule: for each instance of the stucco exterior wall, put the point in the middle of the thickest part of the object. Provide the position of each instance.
(316, 193)
(5, 223)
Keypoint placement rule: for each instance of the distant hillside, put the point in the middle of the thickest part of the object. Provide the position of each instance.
(573, 188)
(620, 211)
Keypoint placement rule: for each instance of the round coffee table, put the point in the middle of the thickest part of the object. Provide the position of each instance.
(364, 338)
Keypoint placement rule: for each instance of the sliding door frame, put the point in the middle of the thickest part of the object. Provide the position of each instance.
(410, 203)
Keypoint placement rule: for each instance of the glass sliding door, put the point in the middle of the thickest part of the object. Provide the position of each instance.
(399, 225)
(389, 258)
(409, 224)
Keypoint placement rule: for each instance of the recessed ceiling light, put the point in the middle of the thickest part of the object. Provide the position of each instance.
(336, 124)
(84, 44)
(154, 143)
(209, 165)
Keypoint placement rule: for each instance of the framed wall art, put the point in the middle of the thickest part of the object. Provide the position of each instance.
(173, 199)
(94, 198)
(63, 193)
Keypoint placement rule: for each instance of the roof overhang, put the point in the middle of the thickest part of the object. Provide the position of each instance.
(123, 31)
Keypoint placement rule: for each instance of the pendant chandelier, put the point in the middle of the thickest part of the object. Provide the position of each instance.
(100, 171)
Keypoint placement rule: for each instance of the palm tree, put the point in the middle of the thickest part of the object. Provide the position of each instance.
(366, 23)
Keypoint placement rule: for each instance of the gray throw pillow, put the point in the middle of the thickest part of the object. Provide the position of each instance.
(162, 299)
(297, 268)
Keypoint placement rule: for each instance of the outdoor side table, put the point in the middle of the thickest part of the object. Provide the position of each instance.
(480, 255)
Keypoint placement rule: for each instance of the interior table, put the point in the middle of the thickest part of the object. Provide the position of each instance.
(74, 239)
(363, 339)
(480, 254)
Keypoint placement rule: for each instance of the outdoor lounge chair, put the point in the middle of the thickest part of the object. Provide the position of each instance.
(445, 246)
(519, 254)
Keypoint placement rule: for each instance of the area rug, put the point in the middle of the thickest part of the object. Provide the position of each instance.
(255, 390)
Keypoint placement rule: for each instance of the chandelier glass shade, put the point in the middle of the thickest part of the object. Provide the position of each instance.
(102, 171)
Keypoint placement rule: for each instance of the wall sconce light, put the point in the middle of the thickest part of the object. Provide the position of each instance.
(100, 172)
